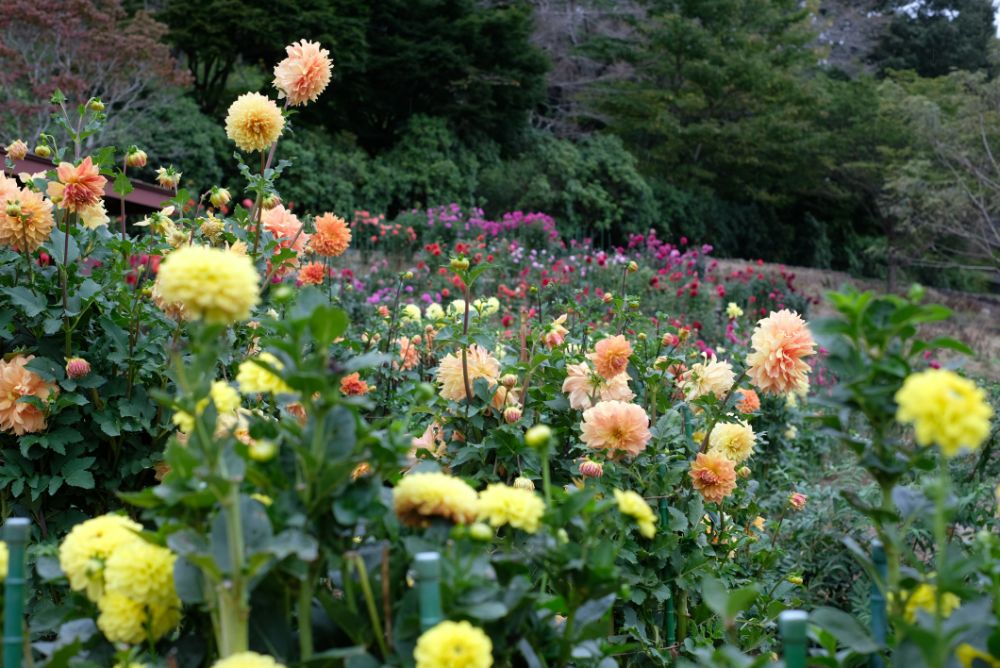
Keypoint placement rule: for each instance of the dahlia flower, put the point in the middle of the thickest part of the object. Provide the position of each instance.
(419, 497)
(409, 356)
(78, 187)
(779, 342)
(139, 600)
(633, 505)
(353, 386)
(946, 409)
(88, 546)
(520, 508)
(312, 273)
(713, 475)
(732, 440)
(254, 122)
(708, 377)
(210, 284)
(303, 74)
(247, 660)
(749, 402)
(286, 228)
(583, 387)
(16, 150)
(481, 364)
(17, 381)
(253, 378)
(94, 216)
(610, 356)
(28, 224)
(555, 333)
(454, 645)
(617, 427)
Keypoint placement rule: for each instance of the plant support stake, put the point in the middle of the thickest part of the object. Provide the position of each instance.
(792, 624)
(880, 624)
(15, 534)
(428, 567)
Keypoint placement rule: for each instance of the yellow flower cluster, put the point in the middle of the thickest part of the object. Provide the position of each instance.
(924, 598)
(634, 506)
(210, 284)
(453, 645)
(131, 581)
(520, 508)
(946, 409)
(222, 394)
(419, 497)
(254, 379)
(733, 440)
(247, 660)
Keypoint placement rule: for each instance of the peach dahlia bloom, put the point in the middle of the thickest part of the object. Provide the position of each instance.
(713, 475)
(583, 387)
(481, 364)
(286, 228)
(617, 427)
(15, 382)
(332, 237)
(409, 356)
(780, 341)
(8, 186)
(78, 186)
(32, 226)
(304, 73)
(555, 333)
(610, 356)
(312, 273)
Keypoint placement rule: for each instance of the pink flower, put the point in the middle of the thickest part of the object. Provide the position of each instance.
(617, 427)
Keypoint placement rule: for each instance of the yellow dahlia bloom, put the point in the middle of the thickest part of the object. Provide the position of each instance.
(255, 379)
(4, 560)
(709, 377)
(946, 409)
(122, 619)
(419, 497)
(634, 506)
(86, 549)
(254, 122)
(210, 284)
(617, 427)
(454, 645)
(582, 387)
(780, 341)
(31, 226)
(247, 660)
(481, 364)
(139, 598)
(222, 394)
(304, 73)
(94, 216)
(434, 312)
(923, 598)
(410, 313)
(733, 440)
(520, 508)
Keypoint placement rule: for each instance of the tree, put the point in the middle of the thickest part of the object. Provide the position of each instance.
(86, 48)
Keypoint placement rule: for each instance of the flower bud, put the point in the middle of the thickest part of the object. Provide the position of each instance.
(407, 275)
(521, 482)
(270, 202)
(511, 414)
(633, 267)
(136, 157)
(797, 500)
(795, 579)
(744, 472)
(608, 298)
(95, 104)
(17, 150)
(538, 436)
(282, 293)
(481, 531)
(77, 367)
(641, 336)
(459, 264)
(43, 151)
(219, 197)
(634, 304)
(683, 334)
(262, 451)
(591, 469)
(562, 536)
(508, 380)
(533, 290)
(14, 208)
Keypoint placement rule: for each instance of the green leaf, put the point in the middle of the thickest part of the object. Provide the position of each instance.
(76, 473)
(327, 323)
(122, 186)
(47, 369)
(845, 629)
(29, 302)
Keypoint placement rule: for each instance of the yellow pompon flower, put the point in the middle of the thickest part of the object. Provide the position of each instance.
(139, 576)
(520, 508)
(122, 619)
(946, 409)
(247, 660)
(970, 657)
(4, 560)
(255, 379)
(88, 546)
(633, 505)
(733, 440)
(419, 497)
(923, 598)
(254, 122)
(210, 284)
(454, 645)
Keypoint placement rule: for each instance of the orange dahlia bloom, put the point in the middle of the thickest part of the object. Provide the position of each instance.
(332, 237)
(15, 382)
(780, 341)
(304, 73)
(31, 227)
(583, 387)
(312, 273)
(749, 402)
(353, 386)
(78, 187)
(610, 356)
(713, 475)
(409, 356)
(616, 426)
(481, 364)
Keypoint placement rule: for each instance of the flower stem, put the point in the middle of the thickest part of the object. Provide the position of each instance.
(305, 618)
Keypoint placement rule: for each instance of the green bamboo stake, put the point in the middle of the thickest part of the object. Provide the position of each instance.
(880, 623)
(792, 624)
(428, 567)
(15, 534)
